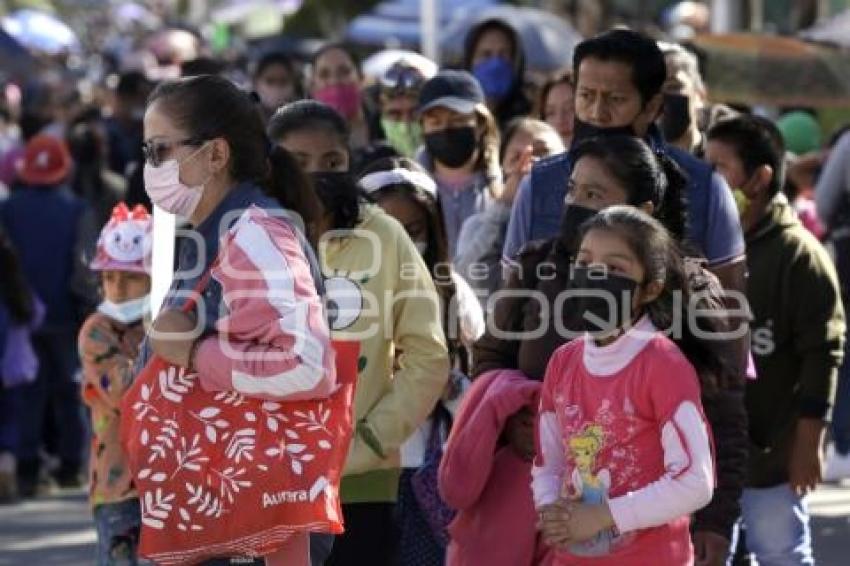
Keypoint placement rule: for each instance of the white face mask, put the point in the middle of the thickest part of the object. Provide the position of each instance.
(421, 247)
(127, 312)
(165, 189)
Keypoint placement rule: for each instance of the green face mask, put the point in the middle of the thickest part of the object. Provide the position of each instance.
(742, 201)
(405, 137)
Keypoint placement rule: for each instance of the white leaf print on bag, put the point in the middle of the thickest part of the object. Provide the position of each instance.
(242, 445)
(174, 383)
(296, 452)
(272, 418)
(211, 426)
(204, 502)
(186, 523)
(229, 482)
(155, 508)
(165, 441)
(190, 457)
(231, 398)
(315, 421)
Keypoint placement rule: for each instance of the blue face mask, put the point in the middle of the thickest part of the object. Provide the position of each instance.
(496, 76)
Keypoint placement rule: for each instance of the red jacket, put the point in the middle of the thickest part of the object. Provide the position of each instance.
(486, 482)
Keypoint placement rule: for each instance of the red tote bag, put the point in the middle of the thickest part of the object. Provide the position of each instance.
(221, 474)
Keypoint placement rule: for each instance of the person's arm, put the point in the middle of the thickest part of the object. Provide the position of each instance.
(519, 226)
(107, 364)
(723, 240)
(505, 312)
(550, 463)
(479, 234)
(727, 415)
(274, 342)
(422, 364)
(686, 484)
(818, 339)
(833, 182)
(547, 475)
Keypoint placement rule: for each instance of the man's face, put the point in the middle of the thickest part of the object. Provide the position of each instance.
(399, 108)
(606, 97)
(724, 158)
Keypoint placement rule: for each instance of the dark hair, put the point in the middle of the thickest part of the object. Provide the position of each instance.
(313, 115)
(756, 141)
(202, 66)
(515, 102)
(278, 58)
(662, 260)
(85, 144)
(341, 47)
(132, 83)
(438, 247)
(209, 107)
(646, 176)
(563, 78)
(641, 53)
(308, 115)
(476, 33)
(14, 292)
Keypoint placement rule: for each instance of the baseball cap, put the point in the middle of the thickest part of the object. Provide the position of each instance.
(46, 161)
(455, 90)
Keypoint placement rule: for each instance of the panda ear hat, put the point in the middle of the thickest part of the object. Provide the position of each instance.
(125, 243)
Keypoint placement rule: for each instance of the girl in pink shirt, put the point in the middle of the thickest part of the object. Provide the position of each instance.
(624, 453)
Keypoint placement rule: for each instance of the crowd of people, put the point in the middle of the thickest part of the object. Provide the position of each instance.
(598, 322)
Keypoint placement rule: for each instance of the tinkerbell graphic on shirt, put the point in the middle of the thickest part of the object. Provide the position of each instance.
(589, 484)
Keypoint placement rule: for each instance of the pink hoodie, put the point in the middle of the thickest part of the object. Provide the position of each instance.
(488, 484)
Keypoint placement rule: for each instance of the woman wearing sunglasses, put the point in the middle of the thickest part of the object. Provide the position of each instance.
(208, 160)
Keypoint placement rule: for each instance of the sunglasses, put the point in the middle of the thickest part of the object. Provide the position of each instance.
(402, 79)
(155, 151)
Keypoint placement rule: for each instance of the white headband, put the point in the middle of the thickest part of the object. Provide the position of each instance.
(380, 179)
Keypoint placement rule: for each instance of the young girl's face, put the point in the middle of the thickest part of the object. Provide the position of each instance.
(609, 250)
(123, 286)
(317, 150)
(412, 216)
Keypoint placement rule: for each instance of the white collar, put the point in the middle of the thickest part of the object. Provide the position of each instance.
(607, 360)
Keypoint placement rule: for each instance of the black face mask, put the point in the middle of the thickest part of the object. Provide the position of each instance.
(571, 221)
(676, 118)
(338, 192)
(452, 147)
(606, 313)
(584, 130)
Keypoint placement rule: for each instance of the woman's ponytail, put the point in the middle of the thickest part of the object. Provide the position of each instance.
(291, 187)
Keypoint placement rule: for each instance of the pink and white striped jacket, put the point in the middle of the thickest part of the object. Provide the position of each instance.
(273, 342)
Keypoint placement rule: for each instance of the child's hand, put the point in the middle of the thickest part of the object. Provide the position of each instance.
(552, 522)
(586, 521)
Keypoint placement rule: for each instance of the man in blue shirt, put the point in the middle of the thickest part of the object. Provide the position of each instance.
(619, 77)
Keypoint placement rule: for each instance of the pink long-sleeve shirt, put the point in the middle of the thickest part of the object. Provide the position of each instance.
(623, 424)
(273, 341)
